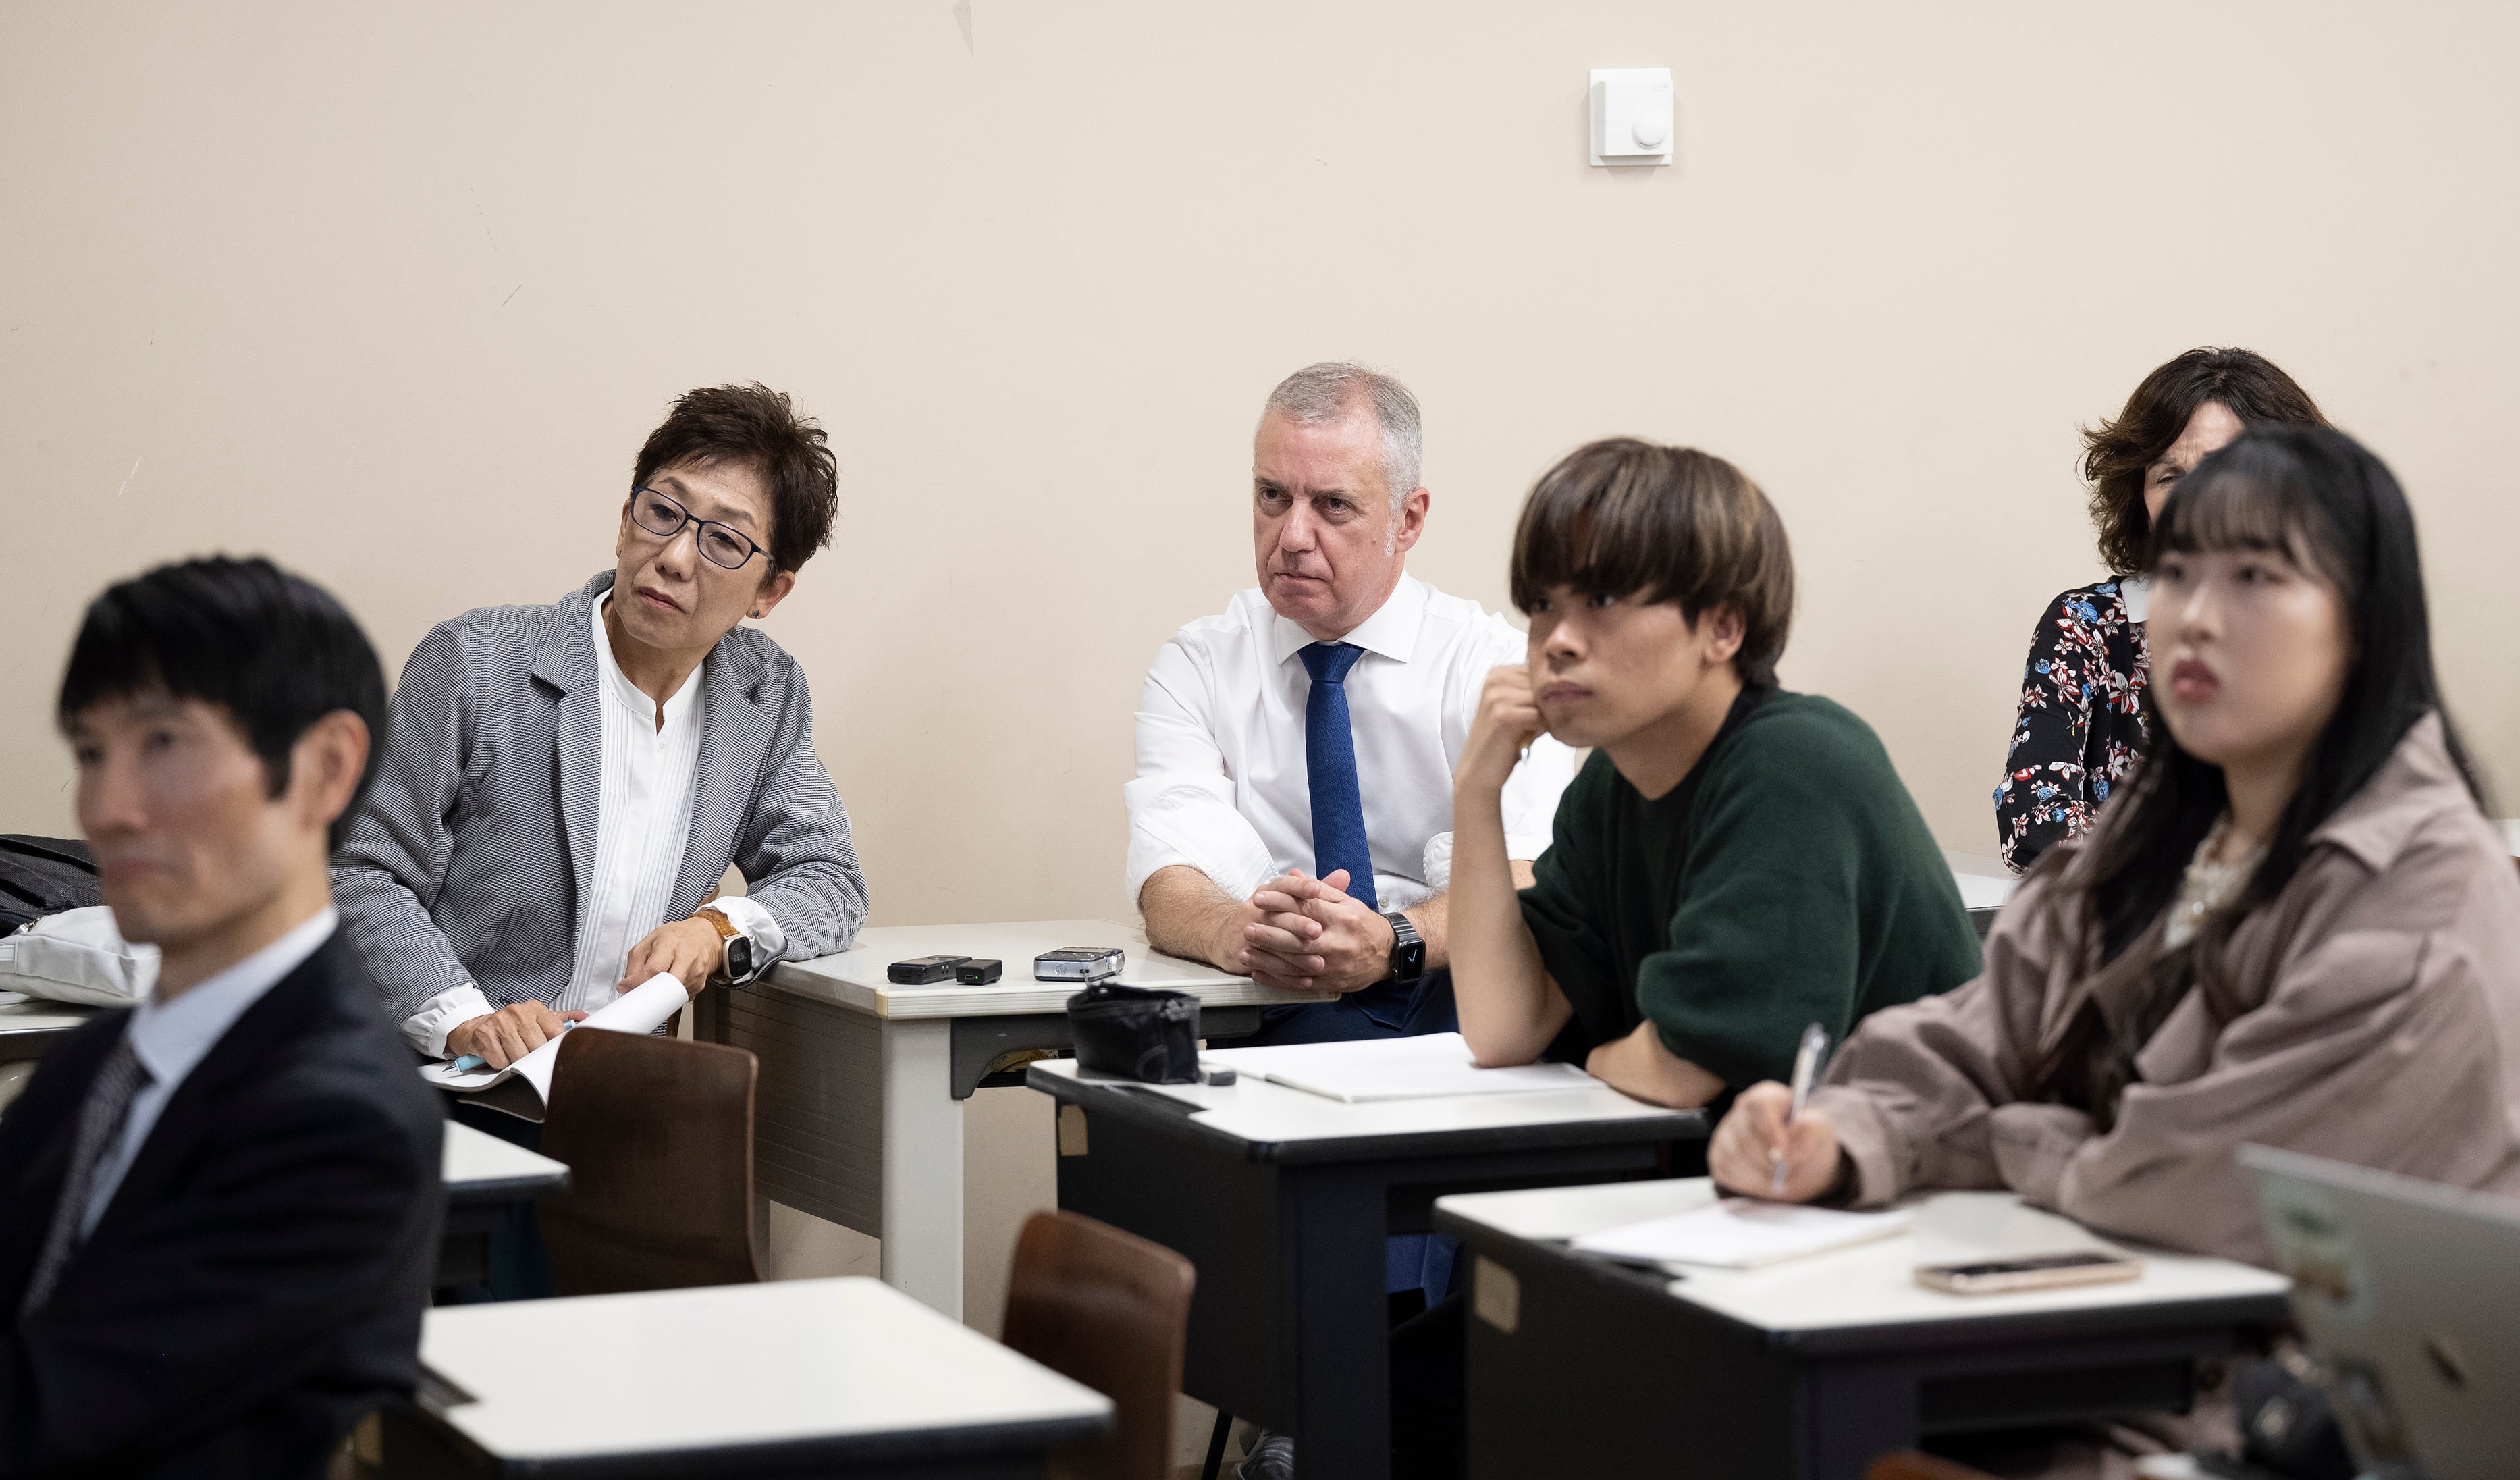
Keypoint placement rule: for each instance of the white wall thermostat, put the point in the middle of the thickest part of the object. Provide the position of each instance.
(1631, 116)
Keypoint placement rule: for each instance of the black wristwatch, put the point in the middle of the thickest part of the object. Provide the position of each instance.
(1408, 948)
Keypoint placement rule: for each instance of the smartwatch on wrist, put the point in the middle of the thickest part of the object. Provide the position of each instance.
(1408, 948)
(739, 946)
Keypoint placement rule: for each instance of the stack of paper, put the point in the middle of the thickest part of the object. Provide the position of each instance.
(1393, 1068)
(1738, 1233)
(523, 1089)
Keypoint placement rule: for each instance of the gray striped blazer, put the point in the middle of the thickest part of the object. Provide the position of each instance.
(472, 856)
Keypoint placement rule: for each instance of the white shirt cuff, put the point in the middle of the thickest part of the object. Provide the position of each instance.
(753, 921)
(427, 1029)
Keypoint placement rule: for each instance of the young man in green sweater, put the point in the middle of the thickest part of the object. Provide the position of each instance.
(1732, 865)
(1735, 862)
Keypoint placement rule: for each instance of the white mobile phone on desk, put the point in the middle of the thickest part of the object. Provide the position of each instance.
(2038, 1271)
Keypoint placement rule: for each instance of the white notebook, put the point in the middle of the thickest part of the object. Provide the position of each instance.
(1393, 1068)
(1739, 1234)
(523, 1087)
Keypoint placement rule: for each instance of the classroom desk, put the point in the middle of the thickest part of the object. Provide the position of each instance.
(809, 1377)
(1985, 886)
(1283, 1199)
(484, 1177)
(858, 1117)
(1812, 1368)
(29, 1024)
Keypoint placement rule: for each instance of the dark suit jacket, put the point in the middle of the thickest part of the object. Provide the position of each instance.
(258, 1282)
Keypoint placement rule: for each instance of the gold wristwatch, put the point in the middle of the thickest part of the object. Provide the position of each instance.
(736, 943)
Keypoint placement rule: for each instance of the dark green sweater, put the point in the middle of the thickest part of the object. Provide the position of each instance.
(1786, 880)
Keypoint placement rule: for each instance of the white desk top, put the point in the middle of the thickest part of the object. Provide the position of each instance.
(476, 1163)
(855, 978)
(20, 1013)
(726, 1368)
(29, 1024)
(1258, 1110)
(1982, 885)
(1874, 1283)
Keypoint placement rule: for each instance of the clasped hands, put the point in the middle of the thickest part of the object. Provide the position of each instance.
(689, 949)
(1311, 935)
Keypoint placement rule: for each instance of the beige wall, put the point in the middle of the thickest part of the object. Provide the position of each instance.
(392, 294)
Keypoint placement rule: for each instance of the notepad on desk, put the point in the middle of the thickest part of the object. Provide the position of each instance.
(1393, 1068)
(1739, 1234)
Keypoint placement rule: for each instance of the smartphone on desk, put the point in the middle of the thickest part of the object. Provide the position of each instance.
(2036, 1272)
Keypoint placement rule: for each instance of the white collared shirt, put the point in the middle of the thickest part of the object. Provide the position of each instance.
(1223, 784)
(648, 784)
(170, 1039)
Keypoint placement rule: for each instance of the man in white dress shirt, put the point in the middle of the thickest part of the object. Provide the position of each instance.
(1299, 827)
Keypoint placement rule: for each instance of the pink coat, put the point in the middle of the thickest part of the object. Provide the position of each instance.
(2385, 1031)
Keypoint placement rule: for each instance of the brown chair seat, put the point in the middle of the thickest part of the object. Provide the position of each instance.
(658, 1135)
(1111, 1311)
(1911, 1465)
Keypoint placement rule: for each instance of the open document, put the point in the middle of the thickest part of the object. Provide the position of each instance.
(1393, 1068)
(523, 1087)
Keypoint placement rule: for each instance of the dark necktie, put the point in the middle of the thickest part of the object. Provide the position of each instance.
(100, 1126)
(1329, 765)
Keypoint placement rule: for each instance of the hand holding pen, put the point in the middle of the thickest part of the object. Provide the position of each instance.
(1773, 1143)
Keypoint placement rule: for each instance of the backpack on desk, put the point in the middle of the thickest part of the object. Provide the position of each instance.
(44, 876)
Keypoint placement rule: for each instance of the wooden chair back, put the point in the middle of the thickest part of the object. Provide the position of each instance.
(658, 1135)
(1908, 1465)
(1111, 1311)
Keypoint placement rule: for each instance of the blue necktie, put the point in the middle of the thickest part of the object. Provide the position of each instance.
(1329, 766)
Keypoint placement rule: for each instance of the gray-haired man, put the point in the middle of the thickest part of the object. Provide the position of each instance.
(1293, 812)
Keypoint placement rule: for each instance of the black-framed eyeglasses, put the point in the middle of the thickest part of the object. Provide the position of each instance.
(721, 545)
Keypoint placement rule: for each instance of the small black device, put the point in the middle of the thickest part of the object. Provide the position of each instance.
(1085, 965)
(979, 972)
(924, 971)
(1408, 948)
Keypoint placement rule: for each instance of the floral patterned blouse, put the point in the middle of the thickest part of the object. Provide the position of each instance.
(2082, 724)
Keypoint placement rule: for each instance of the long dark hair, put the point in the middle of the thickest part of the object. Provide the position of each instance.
(2323, 500)
(2117, 453)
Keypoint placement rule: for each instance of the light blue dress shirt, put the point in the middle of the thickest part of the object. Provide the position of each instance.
(170, 1039)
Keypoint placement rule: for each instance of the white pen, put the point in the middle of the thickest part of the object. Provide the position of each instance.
(1806, 1070)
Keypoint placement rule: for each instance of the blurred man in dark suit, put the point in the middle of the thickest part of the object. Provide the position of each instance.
(219, 1211)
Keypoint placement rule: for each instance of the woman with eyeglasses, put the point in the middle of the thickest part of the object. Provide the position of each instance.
(2295, 928)
(563, 787)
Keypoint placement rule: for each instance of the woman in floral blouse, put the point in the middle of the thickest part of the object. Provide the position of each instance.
(2083, 705)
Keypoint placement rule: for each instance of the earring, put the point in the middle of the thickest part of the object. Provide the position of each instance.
(758, 614)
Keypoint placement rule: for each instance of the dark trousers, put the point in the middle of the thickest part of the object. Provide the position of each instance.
(1392, 1010)
(519, 1268)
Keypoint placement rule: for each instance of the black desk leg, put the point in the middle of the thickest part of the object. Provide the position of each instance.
(1341, 1374)
(1853, 1413)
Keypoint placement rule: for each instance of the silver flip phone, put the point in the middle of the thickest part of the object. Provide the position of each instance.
(1079, 963)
